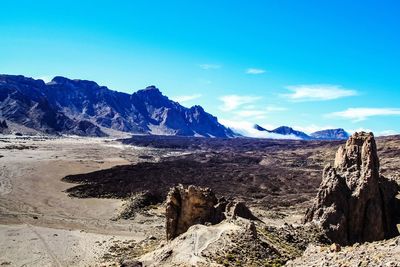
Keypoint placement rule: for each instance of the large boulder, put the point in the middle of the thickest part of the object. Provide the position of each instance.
(196, 205)
(354, 202)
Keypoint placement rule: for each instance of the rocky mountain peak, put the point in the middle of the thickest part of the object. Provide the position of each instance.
(354, 203)
(260, 128)
(286, 130)
(59, 80)
(151, 87)
(331, 134)
(59, 106)
(151, 93)
(151, 90)
(20, 80)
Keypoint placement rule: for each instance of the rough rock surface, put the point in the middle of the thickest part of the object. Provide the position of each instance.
(3, 126)
(196, 205)
(331, 134)
(355, 203)
(229, 243)
(80, 107)
(186, 207)
(382, 253)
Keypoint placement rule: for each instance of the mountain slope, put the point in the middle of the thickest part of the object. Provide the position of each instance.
(331, 134)
(290, 133)
(83, 107)
(285, 130)
(22, 100)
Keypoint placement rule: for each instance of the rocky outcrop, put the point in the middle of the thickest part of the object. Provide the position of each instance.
(381, 253)
(354, 202)
(196, 205)
(3, 126)
(186, 207)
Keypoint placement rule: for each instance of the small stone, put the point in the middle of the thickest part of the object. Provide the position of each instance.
(335, 247)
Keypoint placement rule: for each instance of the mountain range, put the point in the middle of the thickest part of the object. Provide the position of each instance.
(81, 107)
(329, 134)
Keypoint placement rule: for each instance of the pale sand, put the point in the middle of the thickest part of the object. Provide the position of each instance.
(39, 224)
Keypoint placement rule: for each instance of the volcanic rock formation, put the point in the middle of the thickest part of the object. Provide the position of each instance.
(355, 203)
(80, 107)
(197, 205)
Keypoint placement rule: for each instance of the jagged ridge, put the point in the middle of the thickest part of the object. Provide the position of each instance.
(81, 107)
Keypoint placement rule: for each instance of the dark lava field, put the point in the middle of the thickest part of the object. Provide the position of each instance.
(262, 172)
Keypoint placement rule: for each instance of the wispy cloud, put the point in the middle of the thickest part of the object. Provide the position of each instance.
(246, 128)
(255, 114)
(232, 102)
(275, 108)
(255, 71)
(317, 92)
(210, 66)
(360, 114)
(186, 98)
(388, 132)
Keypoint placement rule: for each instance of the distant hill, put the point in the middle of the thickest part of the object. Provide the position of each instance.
(331, 134)
(285, 130)
(80, 107)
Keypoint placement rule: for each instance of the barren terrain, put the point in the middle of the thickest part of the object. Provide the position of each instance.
(40, 224)
(45, 220)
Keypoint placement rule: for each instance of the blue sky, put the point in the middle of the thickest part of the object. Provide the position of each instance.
(308, 64)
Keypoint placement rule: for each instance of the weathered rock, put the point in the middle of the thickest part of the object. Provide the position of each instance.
(335, 247)
(3, 124)
(131, 263)
(353, 201)
(3, 127)
(186, 207)
(196, 205)
(238, 209)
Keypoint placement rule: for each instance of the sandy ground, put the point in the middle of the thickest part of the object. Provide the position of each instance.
(39, 224)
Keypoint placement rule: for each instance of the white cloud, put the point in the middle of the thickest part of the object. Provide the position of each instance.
(317, 92)
(360, 114)
(210, 66)
(246, 128)
(256, 114)
(388, 132)
(186, 98)
(255, 71)
(231, 102)
(275, 108)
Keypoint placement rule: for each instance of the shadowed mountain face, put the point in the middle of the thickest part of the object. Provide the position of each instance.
(284, 130)
(331, 134)
(83, 108)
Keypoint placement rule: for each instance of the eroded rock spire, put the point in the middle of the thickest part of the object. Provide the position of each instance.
(354, 203)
